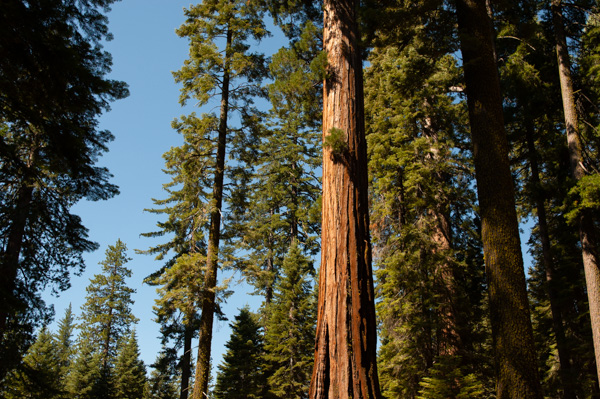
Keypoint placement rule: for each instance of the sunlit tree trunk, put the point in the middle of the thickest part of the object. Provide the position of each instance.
(587, 234)
(212, 255)
(345, 358)
(514, 350)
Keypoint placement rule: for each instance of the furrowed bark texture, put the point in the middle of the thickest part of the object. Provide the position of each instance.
(345, 352)
(214, 236)
(514, 351)
(587, 236)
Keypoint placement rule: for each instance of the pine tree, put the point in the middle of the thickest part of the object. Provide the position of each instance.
(240, 374)
(40, 374)
(130, 372)
(53, 86)
(106, 317)
(280, 200)
(584, 218)
(426, 250)
(514, 351)
(86, 378)
(290, 330)
(163, 378)
(230, 72)
(180, 278)
(65, 345)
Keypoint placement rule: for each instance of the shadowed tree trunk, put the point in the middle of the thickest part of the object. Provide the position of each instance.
(514, 350)
(9, 265)
(212, 255)
(186, 360)
(564, 355)
(345, 357)
(587, 236)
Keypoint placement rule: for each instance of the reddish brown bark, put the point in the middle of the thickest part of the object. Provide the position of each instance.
(587, 236)
(514, 350)
(345, 357)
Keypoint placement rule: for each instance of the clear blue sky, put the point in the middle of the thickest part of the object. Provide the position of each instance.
(145, 51)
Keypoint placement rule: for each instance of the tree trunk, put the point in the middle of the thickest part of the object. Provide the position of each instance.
(564, 355)
(345, 351)
(587, 234)
(186, 360)
(514, 350)
(9, 265)
(210, 280)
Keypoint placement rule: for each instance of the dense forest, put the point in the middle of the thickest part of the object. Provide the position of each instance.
(368, 180)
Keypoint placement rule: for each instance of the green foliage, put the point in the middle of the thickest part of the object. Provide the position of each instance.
(278, 195)
(290, 329)
(106, 316)
(240, 374)
(586, 194)
(130, 372)
(163, 381)
(448, 379)
(86, 379)
(335, 141)
(427, 254)
(65, 346)
(40, 375)
(53, 86)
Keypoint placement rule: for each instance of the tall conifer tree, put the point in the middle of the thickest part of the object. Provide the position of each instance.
(53, 86)
(514, 351)
(345, 353)
(106, 317)
(240, 375)
(229, 73)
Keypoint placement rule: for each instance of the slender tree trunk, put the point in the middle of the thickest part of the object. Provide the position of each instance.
(514, 349)
(587, 236)
(9, 264)
(345, 351)
(210, 280)
(188, 334)
(564, 355)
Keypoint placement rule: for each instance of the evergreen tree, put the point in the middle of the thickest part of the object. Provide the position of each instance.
(231, 73)
(281, 197)
(180, 278)
(345, 351)
(64, 343)
(240, 374)
(53, 86)
(290, 330)
(426, 250)
(514, 351)
(162, 383)
(106, 317)
(40, 374)
(130, 372)
(86, 378)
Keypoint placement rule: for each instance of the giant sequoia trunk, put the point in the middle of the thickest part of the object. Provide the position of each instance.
(514, 351)
(214, 235)
(586, 226)
(345, 357)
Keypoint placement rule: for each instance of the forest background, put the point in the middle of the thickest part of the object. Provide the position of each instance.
(424, 213)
